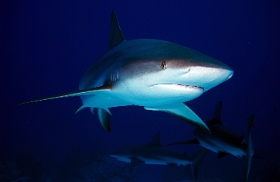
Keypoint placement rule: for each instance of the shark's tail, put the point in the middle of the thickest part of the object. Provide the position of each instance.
(196, 159)
(250, 150)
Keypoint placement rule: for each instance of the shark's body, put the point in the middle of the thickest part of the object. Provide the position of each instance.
(156, 74)
(154, 153)
(222, 140)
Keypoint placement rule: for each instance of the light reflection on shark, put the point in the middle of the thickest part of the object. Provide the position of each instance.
(154, 153)
(224, 141)
(156, 74)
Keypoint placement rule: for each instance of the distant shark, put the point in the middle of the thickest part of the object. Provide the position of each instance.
(154, 153)
(223, 140)
(156, 74)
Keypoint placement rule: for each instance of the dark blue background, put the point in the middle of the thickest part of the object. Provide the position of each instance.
(46, 46)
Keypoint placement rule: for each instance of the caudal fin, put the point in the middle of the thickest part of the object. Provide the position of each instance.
(250, 150)
(196, 159)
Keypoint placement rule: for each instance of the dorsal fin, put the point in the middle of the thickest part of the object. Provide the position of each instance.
(250, 123)
(155, 141)
(116, 35)
(217, 114)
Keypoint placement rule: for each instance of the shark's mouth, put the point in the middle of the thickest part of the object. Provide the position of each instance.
(179, 86)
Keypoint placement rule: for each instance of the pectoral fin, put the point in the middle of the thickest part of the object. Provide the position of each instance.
(185, 113)
(91, 91)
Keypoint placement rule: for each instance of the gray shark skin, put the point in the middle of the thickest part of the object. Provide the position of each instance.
(156, 74)
(155, 153)
(224, 141)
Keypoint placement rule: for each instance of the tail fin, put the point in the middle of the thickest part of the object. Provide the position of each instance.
(196, 159)
(250, 150)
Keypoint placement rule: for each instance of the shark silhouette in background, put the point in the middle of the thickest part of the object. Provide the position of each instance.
(155, 153)
(224, 141)
(156, 74)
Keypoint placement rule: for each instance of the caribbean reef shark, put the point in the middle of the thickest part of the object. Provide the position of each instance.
(223, 140)
(155, 153)
(156, 74)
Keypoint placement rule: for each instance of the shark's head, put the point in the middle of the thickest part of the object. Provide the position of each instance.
(171, 71)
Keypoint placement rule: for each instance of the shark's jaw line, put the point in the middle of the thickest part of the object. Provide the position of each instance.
(179, 86)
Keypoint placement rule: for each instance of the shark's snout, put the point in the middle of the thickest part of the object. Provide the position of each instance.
(206, 77)
(230, 74)
(226, 74)
(218, 76)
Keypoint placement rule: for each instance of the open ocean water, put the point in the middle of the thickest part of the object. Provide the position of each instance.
(46, 46)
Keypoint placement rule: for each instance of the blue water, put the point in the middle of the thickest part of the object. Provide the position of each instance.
(47, 46)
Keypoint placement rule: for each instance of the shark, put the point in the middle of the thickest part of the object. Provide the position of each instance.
(155, 154)
(155, 74)
(223, 140)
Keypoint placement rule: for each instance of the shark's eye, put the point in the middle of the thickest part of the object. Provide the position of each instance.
(163, 65)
